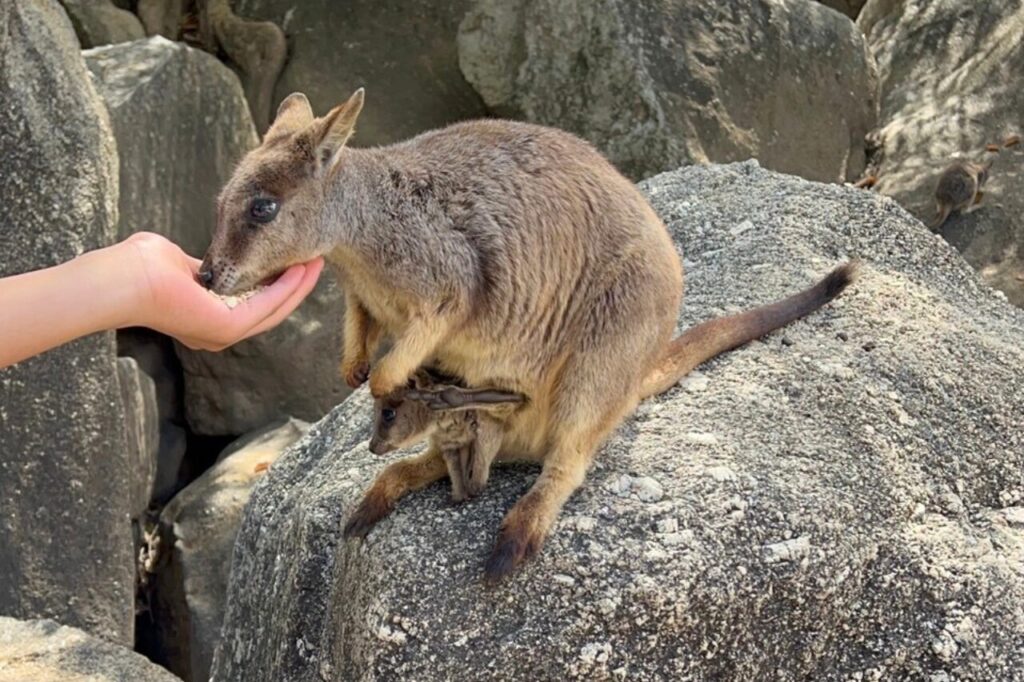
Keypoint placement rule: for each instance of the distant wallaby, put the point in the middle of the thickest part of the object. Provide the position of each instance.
(505, 253)
(465, 425)
(959, 188)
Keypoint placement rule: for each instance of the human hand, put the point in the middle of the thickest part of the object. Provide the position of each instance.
(171, 300)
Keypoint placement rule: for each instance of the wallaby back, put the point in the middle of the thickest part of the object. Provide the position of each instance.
(713, 337)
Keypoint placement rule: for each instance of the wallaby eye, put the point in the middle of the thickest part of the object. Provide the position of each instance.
(388, 415)
(263, 210)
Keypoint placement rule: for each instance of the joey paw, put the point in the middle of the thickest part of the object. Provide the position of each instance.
(381, 384)
(372, 509)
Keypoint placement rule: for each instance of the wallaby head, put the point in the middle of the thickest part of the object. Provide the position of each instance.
(399, 423)
(268, 214)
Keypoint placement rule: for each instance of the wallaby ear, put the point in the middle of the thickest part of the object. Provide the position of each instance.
(337, 126)
(293, 114)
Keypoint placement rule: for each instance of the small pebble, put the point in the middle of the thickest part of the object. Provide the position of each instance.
(669, 525)
(1014, 516)
(701, 438)
(787, 550)
(648, 489)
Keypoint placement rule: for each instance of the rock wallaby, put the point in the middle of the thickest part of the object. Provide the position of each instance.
(465, 425)
(507, 254)
(959, 188)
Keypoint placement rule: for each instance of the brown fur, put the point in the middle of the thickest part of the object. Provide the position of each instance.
(464, 425)
(958, 189)
(505, 253)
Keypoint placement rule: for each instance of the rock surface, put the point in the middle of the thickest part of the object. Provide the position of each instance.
(43, 651)
(181, 123)
(949, 87)
(100, 22)
(291, 370)
(198, 530)
(658, 85)
(65, 537)
(256, 49)
(838, 501)
(156, 357)
(142, 432)
(404, 53)
(162, 17)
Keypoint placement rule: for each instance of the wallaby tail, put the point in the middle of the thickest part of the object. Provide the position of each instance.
(710, 338)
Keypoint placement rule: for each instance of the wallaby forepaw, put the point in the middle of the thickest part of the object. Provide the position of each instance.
(372, 509)
(381, 384)
(356, 374)
(513, 548)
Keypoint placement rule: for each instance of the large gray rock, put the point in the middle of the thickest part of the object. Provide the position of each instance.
(181, 123)
(404, 53)
(657, 85)
(100, 22)
(65, 537)
(142, 432)
(946, 91)
(197, 534)
(842, 500)
(155, 355)
(43, 651)
(291, 370)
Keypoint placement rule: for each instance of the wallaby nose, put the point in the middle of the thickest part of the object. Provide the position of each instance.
(205, 277)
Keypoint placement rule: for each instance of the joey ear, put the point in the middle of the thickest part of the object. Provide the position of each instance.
(485, 399)
(337, 127)
(293, 114)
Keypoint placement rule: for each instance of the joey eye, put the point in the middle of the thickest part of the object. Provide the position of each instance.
(263, 210)
(388, 415)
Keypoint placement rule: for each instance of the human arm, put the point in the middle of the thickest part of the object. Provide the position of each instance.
(144, 280)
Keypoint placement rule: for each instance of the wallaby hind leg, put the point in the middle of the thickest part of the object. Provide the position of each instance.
(397, 479)
(528, 522)
(586, 418)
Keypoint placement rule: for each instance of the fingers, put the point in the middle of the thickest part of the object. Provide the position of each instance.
(222, 326)
(298, 294)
